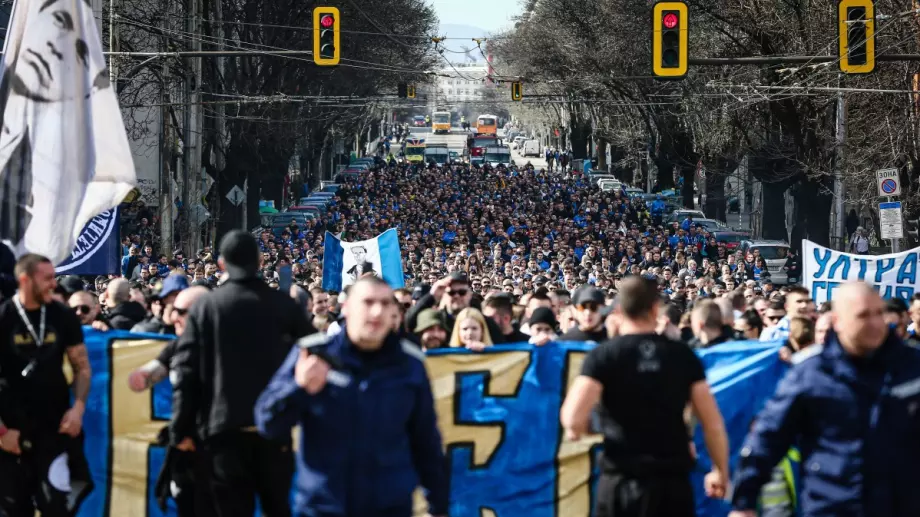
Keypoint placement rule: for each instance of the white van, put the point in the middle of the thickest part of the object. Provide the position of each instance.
(531, 148)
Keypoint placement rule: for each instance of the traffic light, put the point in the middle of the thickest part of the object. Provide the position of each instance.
(517, 91)
(913, 229)
(326, 36)
(856, 31)
(402, 90)
(410, 91)
(669, 40)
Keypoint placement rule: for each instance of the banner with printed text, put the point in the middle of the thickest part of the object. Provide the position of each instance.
(893, 275)
(498, 413)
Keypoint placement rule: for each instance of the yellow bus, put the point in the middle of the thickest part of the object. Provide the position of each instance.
(487, 125)
(414, 148)
(440, 122)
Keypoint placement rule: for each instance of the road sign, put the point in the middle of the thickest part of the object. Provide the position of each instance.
(890, 220)
(236, 195)
(889, 183)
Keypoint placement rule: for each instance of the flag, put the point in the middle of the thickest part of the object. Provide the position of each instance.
(98, 249)
(64, 154)
(346, 262)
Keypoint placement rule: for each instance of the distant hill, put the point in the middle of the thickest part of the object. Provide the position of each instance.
(467, 32)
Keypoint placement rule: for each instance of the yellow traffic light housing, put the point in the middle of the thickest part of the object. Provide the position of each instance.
(517, 91)
(410, 91)
(856, 31)
(670, 38)
(326, 36)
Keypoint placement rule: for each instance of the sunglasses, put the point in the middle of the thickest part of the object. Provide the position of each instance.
(82, 309)
(590, 306)
(458, 292)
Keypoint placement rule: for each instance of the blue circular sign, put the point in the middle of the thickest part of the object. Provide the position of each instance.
(889, 186)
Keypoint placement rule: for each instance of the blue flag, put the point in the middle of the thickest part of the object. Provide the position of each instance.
(98, 249)
(345, 262)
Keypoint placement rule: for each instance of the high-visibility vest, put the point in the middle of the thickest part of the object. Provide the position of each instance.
(779, 497)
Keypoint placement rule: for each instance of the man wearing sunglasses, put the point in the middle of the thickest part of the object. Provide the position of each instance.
(85, 305)
(180, 467)
(452, 294)
(588, 302)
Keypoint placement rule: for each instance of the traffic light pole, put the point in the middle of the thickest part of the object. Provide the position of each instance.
(840, 166)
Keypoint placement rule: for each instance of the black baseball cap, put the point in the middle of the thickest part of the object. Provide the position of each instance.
(588, 294)
(240, 253)
(459, 277)
(70, 284)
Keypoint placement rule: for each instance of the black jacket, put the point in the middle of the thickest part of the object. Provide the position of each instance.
(153, 325)
(8, 283)
(126, 315)
(235, 339)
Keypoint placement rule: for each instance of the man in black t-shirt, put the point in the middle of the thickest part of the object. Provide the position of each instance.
(38, 437)
(643, 382)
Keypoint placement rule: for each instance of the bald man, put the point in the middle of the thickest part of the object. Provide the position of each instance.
(157, 370)
(123, 313)
(180, 468)
(852, 409)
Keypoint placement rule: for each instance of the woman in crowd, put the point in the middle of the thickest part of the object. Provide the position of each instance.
(470, 331)
(749, 325)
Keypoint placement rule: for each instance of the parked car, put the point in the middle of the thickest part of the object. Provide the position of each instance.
(678, 216)
(731, 238)
(774, 254)
(710, 225)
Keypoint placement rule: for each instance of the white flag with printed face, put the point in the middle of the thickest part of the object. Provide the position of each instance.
(64, 154)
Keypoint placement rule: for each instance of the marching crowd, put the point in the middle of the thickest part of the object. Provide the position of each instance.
(490, 257)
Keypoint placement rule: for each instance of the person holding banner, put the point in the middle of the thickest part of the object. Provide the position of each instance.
(643, 382)
(853, 409)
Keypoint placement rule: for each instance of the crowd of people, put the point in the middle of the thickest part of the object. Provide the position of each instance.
(490, 257)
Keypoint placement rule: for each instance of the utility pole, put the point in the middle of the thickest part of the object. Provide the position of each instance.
(193, 131)
(167, 194)
(221, 129)
(840, 166)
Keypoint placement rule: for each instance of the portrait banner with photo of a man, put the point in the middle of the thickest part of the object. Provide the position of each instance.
(345, 262)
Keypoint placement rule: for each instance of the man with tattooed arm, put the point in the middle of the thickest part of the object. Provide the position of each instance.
(40, 434)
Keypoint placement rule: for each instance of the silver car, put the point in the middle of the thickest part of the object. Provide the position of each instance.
(774, 254)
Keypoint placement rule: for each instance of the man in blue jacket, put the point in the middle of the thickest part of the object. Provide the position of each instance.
(853, 409)
(363, 401)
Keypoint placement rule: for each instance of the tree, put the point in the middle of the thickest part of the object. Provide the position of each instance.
(284, 105)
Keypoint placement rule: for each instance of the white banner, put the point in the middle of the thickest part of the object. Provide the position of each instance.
(893, 275)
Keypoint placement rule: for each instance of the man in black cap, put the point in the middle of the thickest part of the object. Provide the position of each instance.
(164, 323)
(588, 302)
(457, 287)
(235, 338)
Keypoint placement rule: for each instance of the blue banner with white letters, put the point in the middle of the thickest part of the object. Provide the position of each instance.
(98, 248)
(498, 412)
(893, 275)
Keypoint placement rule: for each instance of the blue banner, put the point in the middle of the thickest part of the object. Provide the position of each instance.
(98, 249)
(498, 412)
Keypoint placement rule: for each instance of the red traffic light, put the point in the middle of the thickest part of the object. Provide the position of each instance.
(327, 20)
(669, 20)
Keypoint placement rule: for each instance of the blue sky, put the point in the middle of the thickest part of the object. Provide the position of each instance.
(489, 15)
